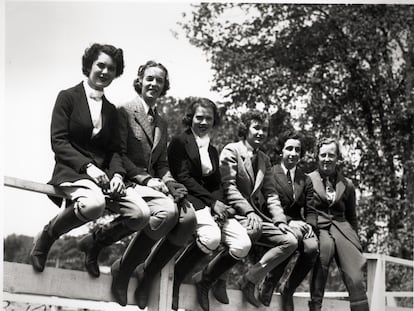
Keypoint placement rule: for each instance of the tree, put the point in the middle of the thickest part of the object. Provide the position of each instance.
(349, 68)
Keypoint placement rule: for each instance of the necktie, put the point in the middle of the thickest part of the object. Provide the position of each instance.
(289, 179)
(151, 116)
(254, 160)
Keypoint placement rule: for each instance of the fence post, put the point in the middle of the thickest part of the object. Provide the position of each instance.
(376, 282)
(161, 292)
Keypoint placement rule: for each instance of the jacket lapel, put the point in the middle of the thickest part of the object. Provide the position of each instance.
(142, 120)
(247, 163)
(157, 130)
(192, 150)
(340, 187)
(261, 167)
(282, 180)
(318, 184)
(83, 108)
(299, 184)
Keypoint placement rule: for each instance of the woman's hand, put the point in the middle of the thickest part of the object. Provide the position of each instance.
(220, 209)
(157, 184)
(300, 225)
(98, 176)
(285, 228)
(254, 222)
(117, 187)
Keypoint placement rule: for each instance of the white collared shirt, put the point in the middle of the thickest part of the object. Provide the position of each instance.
(203, 144)
(250, 149)
(145, 105)
(94, 98)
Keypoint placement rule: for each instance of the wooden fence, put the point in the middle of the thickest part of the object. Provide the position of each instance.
(22, 279)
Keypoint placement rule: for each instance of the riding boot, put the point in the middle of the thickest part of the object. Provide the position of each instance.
(314, 306)
(220, 291)
(122, 269)
(205, 278)
(59, 225)
(270, 283)
(158, 258)
(104, 236)
(248, 290)
(183, 266)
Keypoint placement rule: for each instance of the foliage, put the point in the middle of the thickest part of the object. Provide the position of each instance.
(340, 70)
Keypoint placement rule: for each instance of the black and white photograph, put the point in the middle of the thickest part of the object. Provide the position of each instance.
(207, 156)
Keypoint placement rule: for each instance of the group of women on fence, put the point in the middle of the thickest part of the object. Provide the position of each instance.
(189, 196)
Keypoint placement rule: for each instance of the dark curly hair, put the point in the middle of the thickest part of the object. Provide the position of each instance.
(141, 71)
(290, 134)
(247, 118)
(200, 102)
(92, 53)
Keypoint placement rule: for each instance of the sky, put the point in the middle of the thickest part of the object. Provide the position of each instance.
(44, 43)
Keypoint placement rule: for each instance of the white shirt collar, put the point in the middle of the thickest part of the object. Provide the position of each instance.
(250, 149)
(292, 171)
(92, 93)
(145, 105)
(201, 141)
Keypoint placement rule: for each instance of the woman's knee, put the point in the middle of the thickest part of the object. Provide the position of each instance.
(91, 207)
(241, 248)
(311, 248)
(208, 240)
(290, 242)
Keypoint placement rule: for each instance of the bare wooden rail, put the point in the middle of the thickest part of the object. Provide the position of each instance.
(21, 279)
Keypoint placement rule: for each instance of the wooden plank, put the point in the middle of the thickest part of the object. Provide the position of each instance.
(68, 284)
(22, 279)
(188, 301)
(396, 260)
(56, 303)
(33, 186)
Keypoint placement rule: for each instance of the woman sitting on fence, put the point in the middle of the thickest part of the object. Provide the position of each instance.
(89, 169)
(194, 162)
(334, 201)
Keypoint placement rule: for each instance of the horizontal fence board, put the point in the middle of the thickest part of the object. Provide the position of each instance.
(188, 301)
(390, 259)
(22, 279)
(33, 186)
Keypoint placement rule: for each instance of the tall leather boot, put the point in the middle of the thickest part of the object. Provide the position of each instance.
(220, 291)
(59, 225)
(104, 236)
(204, 279)
(122, 269)
(270, 283)
(360, 306)
(159, 257)
(183, 266)
(314, 306)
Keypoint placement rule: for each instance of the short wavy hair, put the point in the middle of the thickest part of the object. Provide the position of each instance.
(200, 102)
(290, 134)
(326, 141)
(247, 118)
(91, 54)
(141, 71)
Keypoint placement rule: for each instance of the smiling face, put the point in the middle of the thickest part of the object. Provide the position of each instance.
(152, 84)
(327, 158)
(103, 71)
(291, 153)
(257, 133)
(203, 121)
